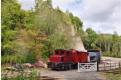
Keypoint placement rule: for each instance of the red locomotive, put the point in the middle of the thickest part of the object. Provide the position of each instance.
(66, 59)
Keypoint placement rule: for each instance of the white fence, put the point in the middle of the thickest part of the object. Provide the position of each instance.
(109, 66)
(86, 67)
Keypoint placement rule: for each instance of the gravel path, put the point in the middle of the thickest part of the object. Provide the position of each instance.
(73, 75)
(112, 59)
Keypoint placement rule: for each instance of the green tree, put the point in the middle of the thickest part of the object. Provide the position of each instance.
(76, 22)
(90, 39)
(13, 21)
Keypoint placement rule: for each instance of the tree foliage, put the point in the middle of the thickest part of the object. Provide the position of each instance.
(14, 21)
(90, 40)
(109, 44)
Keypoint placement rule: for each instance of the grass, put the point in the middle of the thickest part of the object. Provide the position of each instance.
(113, 74)
(110, 76)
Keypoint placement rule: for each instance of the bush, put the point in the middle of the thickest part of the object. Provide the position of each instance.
(33, 76)
(13, 59)
(30, 57)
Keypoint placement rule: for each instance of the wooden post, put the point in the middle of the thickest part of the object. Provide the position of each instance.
(104, 66)
(110, 65)
(97, 66)
(119, 65)
(115, 65)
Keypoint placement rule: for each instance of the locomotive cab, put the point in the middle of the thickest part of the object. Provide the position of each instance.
(56, 60)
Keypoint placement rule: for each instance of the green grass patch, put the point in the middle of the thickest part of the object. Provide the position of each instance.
(110, 76)
(113, 74)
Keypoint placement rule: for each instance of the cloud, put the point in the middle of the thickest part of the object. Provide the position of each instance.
(104, 15)
(99, 10)
(27, 4)
(101, 15)
(71, 5)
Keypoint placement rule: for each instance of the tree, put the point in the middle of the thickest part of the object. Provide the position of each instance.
(76, 22)
(13, 21)
(90, 39)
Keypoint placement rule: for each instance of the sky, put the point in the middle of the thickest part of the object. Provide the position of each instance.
(103, 16)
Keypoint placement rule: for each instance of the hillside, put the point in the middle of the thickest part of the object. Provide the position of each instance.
(37, 32)
(58, 23)
(31, 35)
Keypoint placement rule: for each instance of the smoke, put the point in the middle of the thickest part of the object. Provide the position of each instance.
(76, 41)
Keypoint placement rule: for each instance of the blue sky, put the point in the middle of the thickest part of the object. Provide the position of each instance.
(103, 16)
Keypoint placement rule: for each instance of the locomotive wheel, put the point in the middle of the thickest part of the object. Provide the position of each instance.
(66, 67)
(69, 67)
(63, 67)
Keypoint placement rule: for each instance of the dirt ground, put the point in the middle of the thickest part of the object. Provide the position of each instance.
(73, 75)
